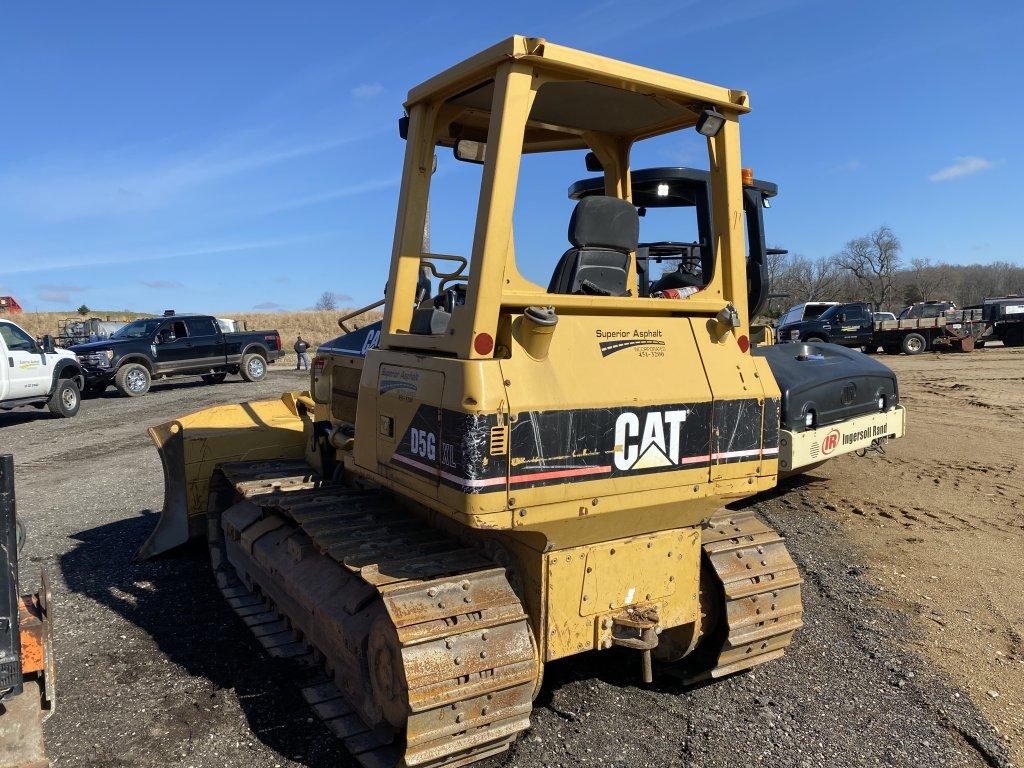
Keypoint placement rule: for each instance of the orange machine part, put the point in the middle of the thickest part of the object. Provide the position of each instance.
(30, 622)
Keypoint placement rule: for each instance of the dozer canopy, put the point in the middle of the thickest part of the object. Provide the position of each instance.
(588, 93)
(526, 95)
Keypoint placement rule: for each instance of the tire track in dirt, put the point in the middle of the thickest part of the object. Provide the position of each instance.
(940, 520)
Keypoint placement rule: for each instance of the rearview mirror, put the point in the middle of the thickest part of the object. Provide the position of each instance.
(470, 151)
(592, 163)
(48, 347)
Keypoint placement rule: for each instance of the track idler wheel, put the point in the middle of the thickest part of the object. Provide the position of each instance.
(387, 672)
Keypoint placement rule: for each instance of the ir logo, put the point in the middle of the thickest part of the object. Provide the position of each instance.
(830, 442)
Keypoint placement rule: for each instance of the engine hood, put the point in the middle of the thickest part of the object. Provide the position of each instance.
(101, 345)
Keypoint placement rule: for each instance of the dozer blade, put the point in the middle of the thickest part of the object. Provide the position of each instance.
(192, 447)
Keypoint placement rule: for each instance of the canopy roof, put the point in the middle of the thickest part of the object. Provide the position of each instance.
(588, 93)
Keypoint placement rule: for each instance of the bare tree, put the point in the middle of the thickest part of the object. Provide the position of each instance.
(326, 301)
(927, 279)
(807, 279)
(873, 260)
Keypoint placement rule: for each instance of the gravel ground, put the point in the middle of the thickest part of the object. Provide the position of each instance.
(153, 668)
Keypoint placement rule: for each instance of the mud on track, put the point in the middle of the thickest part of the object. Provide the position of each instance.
(155, 670)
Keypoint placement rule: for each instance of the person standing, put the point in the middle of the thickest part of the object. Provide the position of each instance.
(302, 358)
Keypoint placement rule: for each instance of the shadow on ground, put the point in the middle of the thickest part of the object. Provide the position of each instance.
(25, 414)
(184, 383)
(175, 601)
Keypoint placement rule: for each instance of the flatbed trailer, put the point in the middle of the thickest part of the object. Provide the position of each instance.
(960, 329)
(1004, 320)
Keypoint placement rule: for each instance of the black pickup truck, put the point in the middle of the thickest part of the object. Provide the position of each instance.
(851, 325)
(174, 345)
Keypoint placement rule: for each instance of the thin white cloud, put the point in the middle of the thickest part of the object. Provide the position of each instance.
(144, 178)
(162, 284)
(10, 266)
(55, 297)
(367, 91)
(63, 287)
(358, 188)
(963, 166)
(848, 167)
(266, 305)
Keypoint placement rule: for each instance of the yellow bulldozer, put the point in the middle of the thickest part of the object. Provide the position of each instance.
(502, 474)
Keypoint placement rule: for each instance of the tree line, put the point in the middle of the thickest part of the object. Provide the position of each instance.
(870, 268)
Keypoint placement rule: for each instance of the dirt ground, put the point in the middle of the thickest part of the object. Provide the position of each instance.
(911, 565)
(941, 522)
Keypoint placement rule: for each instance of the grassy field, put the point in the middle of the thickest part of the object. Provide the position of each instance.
(315, 327)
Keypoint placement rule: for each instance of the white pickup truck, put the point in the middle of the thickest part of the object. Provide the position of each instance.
(37, 373)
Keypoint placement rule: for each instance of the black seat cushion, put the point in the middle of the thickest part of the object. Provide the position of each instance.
(591, 271)
(604, 232)
(604, 222)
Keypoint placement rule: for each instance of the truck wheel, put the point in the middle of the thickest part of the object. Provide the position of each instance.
(65, 399)
(254, 367)
(817, 339)
(914, 344)
(214, 378)
(132, 380)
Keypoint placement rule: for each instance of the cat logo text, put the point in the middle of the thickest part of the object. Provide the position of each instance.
(648, 441)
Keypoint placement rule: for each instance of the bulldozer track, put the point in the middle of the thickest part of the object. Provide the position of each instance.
(428, 658)
(760, 585)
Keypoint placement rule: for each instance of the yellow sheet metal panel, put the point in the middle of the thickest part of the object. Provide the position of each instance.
(589, 586)
(443, 408)
(409, 408)
(617, 417)
(620, 404)
(739, 383)
(618, 575)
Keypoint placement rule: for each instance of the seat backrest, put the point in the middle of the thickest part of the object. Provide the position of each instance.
(604, 232)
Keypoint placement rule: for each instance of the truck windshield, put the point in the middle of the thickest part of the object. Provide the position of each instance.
(829, 313)
(138, 329)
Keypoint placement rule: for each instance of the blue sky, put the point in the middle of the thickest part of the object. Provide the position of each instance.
(226, 156)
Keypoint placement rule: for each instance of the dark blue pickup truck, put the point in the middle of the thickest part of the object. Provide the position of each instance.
(174, 345)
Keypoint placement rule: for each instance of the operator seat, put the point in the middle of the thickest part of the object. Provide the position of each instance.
(604, 232)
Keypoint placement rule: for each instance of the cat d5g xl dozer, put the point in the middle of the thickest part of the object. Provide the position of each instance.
(505, 474)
